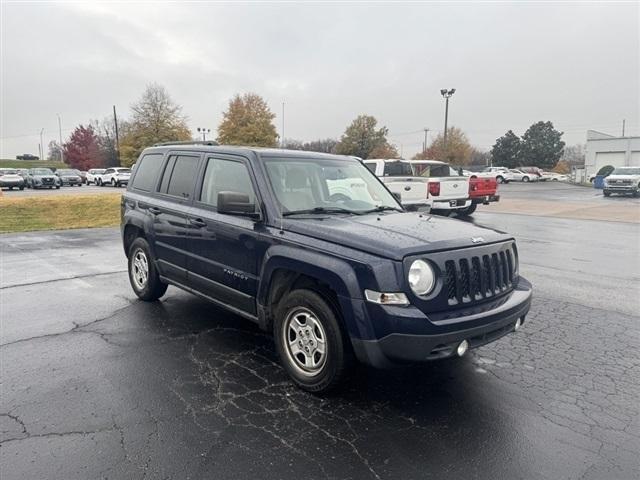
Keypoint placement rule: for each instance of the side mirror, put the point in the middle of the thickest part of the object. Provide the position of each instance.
(236, 203)
(397, 196)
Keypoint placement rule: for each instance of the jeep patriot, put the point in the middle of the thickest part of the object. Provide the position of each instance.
(314, 248)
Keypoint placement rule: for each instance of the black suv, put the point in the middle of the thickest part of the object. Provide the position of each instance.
(315, 248)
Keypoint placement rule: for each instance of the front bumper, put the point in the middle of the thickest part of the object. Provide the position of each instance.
(11, 183)
(443, 335)
(621, 188)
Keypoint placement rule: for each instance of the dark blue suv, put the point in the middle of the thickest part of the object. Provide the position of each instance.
(315, 248)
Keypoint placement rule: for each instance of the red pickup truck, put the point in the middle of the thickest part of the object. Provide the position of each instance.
(481, 190)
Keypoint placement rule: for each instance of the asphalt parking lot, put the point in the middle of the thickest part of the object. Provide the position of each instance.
(96, 384)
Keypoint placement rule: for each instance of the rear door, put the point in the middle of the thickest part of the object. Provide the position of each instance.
(168, 210)
(225, 250)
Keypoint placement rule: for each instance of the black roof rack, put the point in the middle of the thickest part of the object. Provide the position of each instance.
(188, 142)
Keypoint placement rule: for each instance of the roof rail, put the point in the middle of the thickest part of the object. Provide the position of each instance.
(188, 142)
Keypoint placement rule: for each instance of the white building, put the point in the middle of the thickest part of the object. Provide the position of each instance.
(603, 149)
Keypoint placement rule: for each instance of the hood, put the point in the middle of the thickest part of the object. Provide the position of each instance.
(621, 177)
(395, 235)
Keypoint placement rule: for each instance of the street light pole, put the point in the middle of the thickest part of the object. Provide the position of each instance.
(204, 132)
(60, 136)
(41, 145)
(446, 94)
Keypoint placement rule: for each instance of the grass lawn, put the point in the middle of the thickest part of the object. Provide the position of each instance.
(31, 164)
(59, 212)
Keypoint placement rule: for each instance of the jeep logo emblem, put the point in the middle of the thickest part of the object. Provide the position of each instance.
(455, 185)
(477, 239)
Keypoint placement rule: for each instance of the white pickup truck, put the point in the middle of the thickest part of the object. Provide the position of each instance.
(398, 177)
(448, 189)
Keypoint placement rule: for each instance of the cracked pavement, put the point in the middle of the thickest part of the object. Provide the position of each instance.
(96, 384)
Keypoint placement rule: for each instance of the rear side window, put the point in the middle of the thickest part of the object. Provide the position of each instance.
(397, 169)
(225, 176)
(371, 166)
(147, 171)
(179, 176)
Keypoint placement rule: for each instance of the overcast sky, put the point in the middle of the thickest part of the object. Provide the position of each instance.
(512, 65)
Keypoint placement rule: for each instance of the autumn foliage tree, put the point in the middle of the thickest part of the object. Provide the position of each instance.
(363, 139)
(248, 121)
(82, 150)
(155, 118)
(457, 151)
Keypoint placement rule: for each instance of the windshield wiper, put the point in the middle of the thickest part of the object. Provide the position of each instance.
(321, 210)
(382, 208)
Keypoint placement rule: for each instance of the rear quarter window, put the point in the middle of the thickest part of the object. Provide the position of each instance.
(147, 171)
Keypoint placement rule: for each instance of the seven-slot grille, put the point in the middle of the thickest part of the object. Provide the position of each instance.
(479, 277)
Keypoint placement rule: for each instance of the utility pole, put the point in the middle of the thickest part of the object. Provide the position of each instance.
(115, 121)
(282, 142)
(60, 137)
(204, 132)
(623, 122)
(41, 145)
(426, 141)
(446, 94)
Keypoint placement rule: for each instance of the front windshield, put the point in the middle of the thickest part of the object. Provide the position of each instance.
(325, 184)
(41, 171)
(8, 172)
(626, 171)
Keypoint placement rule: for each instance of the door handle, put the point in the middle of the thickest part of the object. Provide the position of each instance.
(154, 210)
(197, 222)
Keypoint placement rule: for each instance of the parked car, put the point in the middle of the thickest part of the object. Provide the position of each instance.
(555, 177)
(501, 174)
(92, 175)
(69, 177)
(255, 231)
(447, 188)
(27, 156)
(9, 178)
(521, 176)
(42, 178)
(83, 175)
(624, 180)
(116, 177)
(398, 177)
(534, 171)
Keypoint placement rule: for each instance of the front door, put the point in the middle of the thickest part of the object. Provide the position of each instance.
(224, 250)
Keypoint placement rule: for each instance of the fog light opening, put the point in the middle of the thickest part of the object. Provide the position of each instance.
(517, 325)
(462, 348)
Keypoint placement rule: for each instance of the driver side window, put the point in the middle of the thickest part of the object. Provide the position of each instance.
(223, 175)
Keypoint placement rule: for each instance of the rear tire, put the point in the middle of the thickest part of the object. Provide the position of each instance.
(606, 194)
(499, 179)
(143, 274)
(469, 210)
(21, 187)
(525, 179)
(312, 346)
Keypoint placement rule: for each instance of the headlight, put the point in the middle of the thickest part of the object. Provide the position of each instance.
(421, 277)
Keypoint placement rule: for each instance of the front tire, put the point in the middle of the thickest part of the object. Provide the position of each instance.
(499, 179)
(114, 183)
(312, 346)
(143, 274)
(606, 194)
(525, 179)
